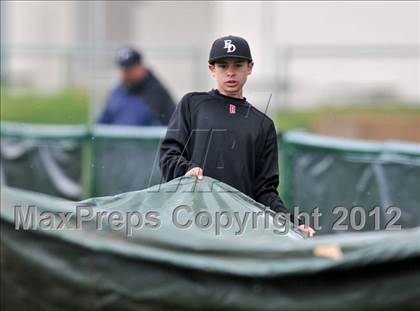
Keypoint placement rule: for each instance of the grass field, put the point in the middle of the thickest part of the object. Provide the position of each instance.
(66, 107)
(72, 107)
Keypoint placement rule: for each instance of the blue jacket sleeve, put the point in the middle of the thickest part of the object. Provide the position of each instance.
(106, 116)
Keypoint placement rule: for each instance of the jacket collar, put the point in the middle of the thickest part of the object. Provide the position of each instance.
(228, 99)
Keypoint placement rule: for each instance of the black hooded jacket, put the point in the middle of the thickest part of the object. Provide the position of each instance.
(229, 139)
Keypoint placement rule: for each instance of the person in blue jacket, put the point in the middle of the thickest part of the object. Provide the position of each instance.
(140, 99)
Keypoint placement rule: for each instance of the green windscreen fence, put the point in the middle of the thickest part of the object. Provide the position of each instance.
(376, 183)
(380, 179)
(43, 158)
(74, 162)
(125, 158)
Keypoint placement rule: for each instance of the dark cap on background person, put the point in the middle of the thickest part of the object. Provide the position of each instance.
(128, 57)
(229, 46)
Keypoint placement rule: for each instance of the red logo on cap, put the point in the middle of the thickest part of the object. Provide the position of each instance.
(232, 109)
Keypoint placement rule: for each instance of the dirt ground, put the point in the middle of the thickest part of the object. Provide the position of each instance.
(405, 128)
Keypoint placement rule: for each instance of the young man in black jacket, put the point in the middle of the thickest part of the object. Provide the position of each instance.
(219, 134)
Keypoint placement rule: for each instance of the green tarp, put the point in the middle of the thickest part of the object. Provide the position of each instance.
(268, 267)
(167, 267)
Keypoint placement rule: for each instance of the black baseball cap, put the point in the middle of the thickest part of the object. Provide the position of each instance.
(229, 46)
(128, 57)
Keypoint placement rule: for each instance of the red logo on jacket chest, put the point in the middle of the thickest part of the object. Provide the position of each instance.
(232, 109)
